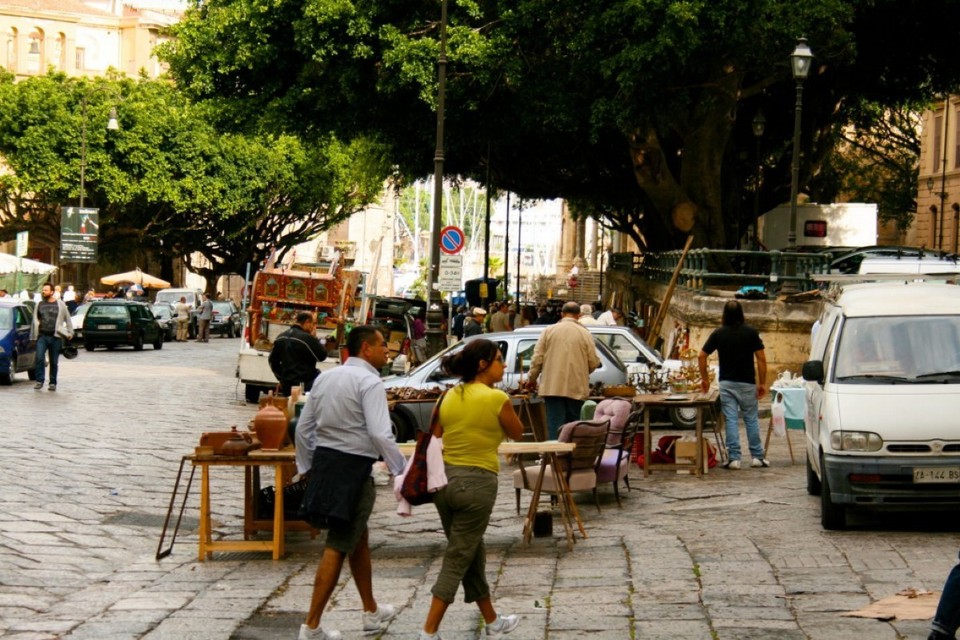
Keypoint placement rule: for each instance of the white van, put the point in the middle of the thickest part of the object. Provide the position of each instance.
(882, 418)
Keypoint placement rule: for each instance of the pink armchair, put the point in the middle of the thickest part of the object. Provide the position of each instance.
(615, 463)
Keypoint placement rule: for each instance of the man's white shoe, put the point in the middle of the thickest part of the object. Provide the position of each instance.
(376, 621)
(502, 626)
(306, 633)
(733, 465)
(760, 462)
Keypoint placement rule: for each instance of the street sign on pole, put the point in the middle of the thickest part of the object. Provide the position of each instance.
(78, 234)
(22, 241)
(450, 277)
(452, 240)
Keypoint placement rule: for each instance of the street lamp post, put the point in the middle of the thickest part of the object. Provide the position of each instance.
(800, 66)
(759, 124)
(112, 125)
(435, 337)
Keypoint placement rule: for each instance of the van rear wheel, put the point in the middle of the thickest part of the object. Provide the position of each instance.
(833, 516)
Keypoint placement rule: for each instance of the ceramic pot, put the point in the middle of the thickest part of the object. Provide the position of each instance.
(270, 425)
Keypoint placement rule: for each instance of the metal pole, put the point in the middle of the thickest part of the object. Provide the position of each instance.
(83, 147)
(519, 251)
(506, 251)
(438, 158)
(486, 235)
(600, 250)
(943, 171)
(434, 317)
(756, 204)
(790, 257)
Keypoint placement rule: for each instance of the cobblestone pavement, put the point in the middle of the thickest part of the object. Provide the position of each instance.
(90, 467)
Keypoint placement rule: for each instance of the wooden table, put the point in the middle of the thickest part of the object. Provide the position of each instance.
(253, 460)
(699, 401)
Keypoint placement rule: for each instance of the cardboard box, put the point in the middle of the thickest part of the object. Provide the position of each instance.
(685, 452)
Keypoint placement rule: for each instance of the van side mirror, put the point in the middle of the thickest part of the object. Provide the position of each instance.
(813, 371)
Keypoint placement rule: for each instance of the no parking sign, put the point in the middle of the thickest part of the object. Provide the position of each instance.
(452, 240)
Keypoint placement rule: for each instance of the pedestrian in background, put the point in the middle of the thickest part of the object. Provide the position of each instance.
(295, 354)
(741, 388)
(419, 337)
(586, 316)
(51, 326)
(473, 326)
(343, 429)
(565, 355)
(475, 417)
(500, 320)
(203, 319)
(458, 320)
(611, 317)
(183, 319)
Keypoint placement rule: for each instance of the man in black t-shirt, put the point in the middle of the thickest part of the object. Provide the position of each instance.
(295, 354)
(738, 345)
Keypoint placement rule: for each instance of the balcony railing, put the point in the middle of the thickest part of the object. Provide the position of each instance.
(703, 268)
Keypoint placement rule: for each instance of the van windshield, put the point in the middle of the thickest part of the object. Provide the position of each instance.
(899, 350)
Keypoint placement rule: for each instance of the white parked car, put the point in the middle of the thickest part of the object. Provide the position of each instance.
(77, 319)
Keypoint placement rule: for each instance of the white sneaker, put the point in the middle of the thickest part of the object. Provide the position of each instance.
(733, 465)
(760, 462)
(502, 626)
(306, 633)
(428, 636)
(376, 621)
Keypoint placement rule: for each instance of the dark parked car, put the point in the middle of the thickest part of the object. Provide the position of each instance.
(167, 319)
(226, 319)
(17, 353)
(116, 322)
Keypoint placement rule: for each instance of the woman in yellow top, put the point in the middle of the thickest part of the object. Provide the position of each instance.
(474, 416)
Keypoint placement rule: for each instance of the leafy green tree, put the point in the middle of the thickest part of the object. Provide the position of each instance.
(166, 181)
(631, 110)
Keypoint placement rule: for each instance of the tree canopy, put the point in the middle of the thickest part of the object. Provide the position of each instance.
(166, 181)
(635, 111)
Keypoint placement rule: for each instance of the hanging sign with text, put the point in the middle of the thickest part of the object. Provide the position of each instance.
(78, 234)
(450, 276)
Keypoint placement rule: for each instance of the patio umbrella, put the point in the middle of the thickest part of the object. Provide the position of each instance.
(136, 277)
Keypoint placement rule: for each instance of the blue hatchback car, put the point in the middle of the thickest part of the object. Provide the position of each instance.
(17, 353)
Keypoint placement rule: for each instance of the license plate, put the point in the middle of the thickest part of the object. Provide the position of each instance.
(106, 326)
(936, 474)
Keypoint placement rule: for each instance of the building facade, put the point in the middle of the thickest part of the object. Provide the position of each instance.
(937, 222)
(83, 38)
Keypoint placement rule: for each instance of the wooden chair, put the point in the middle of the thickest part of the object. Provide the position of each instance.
(579, 467)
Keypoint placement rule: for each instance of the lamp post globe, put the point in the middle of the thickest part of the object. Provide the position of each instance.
(800, 61)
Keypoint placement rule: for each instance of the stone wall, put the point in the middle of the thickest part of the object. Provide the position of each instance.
(784, 327)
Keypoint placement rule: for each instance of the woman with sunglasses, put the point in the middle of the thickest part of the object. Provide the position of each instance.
(475, 416)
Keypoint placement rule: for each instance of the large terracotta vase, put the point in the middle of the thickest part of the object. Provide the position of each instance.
(270, 425)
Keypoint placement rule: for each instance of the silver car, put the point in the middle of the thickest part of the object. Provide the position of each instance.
(638, 356)
(517, 349)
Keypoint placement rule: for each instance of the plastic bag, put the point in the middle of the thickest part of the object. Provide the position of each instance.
(778, 415)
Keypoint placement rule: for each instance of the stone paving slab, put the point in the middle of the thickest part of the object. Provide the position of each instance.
(734, 555)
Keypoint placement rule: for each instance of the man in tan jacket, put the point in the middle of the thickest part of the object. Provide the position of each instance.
(565, 355)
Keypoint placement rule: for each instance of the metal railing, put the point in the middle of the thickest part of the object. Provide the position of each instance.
(703, 268)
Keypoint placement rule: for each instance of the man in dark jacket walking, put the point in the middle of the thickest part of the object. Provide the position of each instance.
(295, 354)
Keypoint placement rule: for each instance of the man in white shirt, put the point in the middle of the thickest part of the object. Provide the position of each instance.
(345, 424)
(611, 317)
